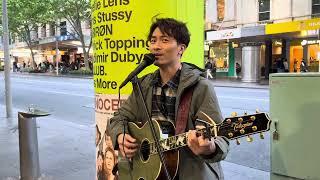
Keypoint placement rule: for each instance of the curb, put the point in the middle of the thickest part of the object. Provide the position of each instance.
(216, 84)
(247, 87)
(52, 75)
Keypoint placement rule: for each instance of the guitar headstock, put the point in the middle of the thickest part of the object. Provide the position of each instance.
(239, 126)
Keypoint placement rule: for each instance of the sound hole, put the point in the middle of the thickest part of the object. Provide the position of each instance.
(145, 150)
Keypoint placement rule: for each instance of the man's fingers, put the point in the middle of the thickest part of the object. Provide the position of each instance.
(130, 145)
(129, 138)
(127, 152)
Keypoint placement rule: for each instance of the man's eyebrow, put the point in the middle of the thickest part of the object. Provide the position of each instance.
(163, 36)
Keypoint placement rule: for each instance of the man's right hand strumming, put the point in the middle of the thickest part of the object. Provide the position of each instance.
(128, 145)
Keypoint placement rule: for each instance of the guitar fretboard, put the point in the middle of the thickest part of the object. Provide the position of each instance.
(170, 143)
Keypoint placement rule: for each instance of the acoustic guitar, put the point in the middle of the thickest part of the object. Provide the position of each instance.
(146, 164)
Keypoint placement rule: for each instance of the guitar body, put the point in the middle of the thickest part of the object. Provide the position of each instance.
(146, 166)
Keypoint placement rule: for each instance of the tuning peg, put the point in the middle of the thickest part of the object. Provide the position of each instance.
(240, 120)
(261, 136)
(252, 118)
(242, 131)
(254, 128)
(257, 111)
(238, 141)
(249, 138)
(245, 113)
(234, 114)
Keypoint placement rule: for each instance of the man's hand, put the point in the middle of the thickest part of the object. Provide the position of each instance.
(127, 147)
(200, 145)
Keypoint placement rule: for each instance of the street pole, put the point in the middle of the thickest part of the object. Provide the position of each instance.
(57, 54)
(7, 62)
(57, 48)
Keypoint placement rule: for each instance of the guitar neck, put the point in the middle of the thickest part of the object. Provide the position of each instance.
(231, 128)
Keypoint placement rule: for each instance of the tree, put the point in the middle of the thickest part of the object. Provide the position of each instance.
(24, 18)
(75, 12)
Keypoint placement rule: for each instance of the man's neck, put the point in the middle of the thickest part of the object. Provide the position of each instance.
(167, 72)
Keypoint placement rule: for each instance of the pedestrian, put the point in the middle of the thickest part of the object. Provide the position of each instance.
(238, 70)
(171, 82)
(280, 67)
(208, 67)
(303, 66)
(286, 65)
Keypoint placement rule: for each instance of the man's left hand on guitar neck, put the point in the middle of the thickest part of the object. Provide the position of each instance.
(200, 145)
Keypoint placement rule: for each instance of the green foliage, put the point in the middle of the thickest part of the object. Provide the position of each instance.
(75, 12)
(25, 15)
(84, 72)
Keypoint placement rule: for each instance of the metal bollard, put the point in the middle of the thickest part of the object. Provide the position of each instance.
(28, 143)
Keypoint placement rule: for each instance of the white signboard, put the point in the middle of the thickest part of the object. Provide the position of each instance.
(223, 34)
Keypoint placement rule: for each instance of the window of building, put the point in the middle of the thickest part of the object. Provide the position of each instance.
(264, 10)
(43, 31)
(316, 8)
(52, 29)
(63, 28)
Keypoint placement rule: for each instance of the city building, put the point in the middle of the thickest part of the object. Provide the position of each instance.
(46, 39)
(261, 34)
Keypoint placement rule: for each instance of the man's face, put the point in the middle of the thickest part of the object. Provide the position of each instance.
(165, 48)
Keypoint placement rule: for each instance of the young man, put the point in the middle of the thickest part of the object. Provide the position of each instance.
(163, 91)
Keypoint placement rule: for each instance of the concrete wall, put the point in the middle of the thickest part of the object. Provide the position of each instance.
(245, 12)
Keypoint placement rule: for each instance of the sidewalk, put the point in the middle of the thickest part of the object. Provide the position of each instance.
(67, 152)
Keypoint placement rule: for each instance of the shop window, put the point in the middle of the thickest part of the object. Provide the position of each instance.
(264, 10)
(63, 28)
(219, 55)
(315, 8)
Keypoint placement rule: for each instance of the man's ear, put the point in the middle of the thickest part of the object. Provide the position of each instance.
(183, 47)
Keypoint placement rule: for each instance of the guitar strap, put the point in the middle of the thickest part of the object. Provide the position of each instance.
(183, 111)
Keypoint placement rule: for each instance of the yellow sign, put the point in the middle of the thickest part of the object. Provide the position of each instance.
(294, 26)
(120, 30)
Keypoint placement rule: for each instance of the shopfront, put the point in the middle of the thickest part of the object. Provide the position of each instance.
(302, 41)
(220, 52)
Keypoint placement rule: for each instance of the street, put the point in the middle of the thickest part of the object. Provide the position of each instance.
(72, 100)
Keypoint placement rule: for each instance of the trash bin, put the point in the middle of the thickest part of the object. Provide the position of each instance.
(28, 143)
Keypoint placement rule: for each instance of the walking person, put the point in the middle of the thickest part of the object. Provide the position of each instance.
(208, 67)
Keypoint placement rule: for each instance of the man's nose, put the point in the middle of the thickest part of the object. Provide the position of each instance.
(156, 45)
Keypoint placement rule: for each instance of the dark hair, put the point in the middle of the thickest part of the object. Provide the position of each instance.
(100, 153)
(173, 28)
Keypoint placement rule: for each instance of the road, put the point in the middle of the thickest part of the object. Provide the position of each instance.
(72, 99)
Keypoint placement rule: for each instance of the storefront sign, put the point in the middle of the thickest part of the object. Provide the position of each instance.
(223, 34)
(294, 26)
(253, 31)
(307, 42)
